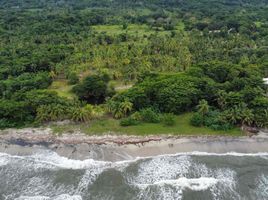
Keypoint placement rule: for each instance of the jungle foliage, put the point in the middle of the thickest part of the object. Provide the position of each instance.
(179, 55)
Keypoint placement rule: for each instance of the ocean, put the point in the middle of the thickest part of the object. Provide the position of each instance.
(186, 176)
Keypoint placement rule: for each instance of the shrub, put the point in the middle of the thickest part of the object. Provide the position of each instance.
(215, 121)
(128, 122)
(93, 89)
(137, 116)
(4, 123)
(149, 115)
(52, 112)
(14, 113)
(166, 93)
(197, 120)
(224, 127)
(98, 112)
(73, 78)
(168, 119)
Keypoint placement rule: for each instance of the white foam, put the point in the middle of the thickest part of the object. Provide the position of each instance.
(166, 177)
(198, 153)
(49, 159)
(170, 174)
(33, 198)
(3, 161)
(60, 197)
(159, 168)
(196, 184)
(53, 159)
(262, 187)
(235, 154)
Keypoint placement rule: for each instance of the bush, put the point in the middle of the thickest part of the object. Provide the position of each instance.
(137, 116)
(149, 115)
(14, 113)
(166, 93)
(73, 78)
(4, 123)
(25, 82)
(197, 120)
(128, 122)
(214, 120)
(93, 89)
(52, 112)
(168, 119)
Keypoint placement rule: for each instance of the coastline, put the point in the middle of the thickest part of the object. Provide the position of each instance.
(123, 147)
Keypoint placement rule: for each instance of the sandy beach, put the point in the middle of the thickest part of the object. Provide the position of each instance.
(116, 148)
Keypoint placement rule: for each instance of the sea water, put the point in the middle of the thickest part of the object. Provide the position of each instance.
(184, 176)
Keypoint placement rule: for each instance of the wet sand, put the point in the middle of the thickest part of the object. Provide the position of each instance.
(115, 148)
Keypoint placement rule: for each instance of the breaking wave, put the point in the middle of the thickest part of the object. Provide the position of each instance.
(48, 176)
(60, 197)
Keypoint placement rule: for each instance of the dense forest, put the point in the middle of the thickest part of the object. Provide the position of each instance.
(139, 61)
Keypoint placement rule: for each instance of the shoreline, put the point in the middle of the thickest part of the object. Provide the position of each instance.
(122, 147)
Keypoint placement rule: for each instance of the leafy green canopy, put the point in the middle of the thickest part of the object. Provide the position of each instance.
(230, 88)
(93, 89)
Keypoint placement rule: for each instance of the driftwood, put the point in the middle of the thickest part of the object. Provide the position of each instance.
(250, 131)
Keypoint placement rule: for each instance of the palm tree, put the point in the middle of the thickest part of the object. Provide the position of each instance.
(98, 112)
(239, 114)
(42, 114)
(57, 112)
(266, 118)
(247, 117)
(126, 106)
(118, 112)
(203, 107)
(52, 74)
(261, 120)
(110, 105)
(222, 99)
(78, 114)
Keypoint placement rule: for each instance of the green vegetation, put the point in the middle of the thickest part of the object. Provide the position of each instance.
(62, 88)
(136, 30)
(144, 67)
(112, 126)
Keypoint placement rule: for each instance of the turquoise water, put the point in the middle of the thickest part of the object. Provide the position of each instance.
(188, 176)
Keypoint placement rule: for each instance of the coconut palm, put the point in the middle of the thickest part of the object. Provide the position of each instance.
(247, 117)
(261, 120)
(126, 106)
(222, 99)
(57, 112)
(203, 107)
(98, 112)
(118, 112)
(78, 114)
(239, 114)
(266, 118)
(110, 105)
(42, 114)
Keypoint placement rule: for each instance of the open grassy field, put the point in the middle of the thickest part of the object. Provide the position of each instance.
(112, 126)
(62, 88)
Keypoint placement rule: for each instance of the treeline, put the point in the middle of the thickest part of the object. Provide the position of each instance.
(223, 94)
(201, 52)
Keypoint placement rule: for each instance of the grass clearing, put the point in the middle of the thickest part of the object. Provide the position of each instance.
(112, 126)
(62, 88)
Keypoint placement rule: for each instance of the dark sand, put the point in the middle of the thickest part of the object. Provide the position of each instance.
(115, 148)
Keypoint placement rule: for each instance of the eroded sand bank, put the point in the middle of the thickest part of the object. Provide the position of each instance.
(115, 148)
